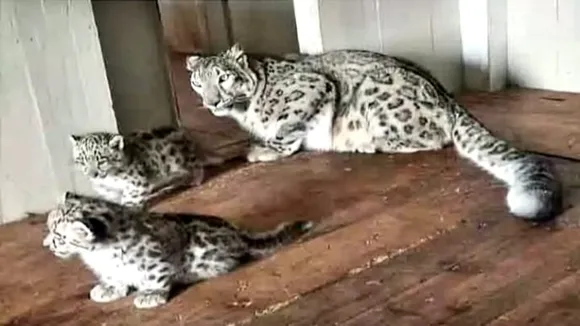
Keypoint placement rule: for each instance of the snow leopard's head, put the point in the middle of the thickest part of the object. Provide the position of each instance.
(222, 80)
(97, 154)
(80, 224)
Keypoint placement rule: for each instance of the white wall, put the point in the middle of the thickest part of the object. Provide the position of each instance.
(544, 44)
(425, 31)
(52, 83)
(534, 44)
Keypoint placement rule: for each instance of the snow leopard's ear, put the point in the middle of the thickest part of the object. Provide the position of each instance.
(89, 229)
(54, 215)
(74, 139)
(191, 61)
(68, 195)
(117, 142)
(237, 54)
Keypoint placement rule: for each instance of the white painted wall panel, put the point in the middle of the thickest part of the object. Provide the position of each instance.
(544, 44)
(425, 31)
(52, 83)
(350, 24)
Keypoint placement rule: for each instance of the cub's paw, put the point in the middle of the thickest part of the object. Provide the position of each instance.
(104, 293)
(262, 154)
(151, 299)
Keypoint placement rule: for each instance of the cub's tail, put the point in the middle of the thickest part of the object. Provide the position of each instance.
(535, 193)
(264, 243)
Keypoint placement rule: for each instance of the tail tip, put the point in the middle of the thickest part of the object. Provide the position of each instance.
(534, 204)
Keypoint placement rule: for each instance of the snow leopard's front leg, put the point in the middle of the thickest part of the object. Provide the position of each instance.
(287, 141)
(291, 111)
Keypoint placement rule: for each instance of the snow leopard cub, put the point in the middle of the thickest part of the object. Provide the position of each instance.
(366, 102)
(134, 169)
(133, 249)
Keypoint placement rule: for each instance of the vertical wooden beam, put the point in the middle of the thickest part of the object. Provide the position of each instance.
(136, 61)
(483, 25)
(264, 26)
(308, 27)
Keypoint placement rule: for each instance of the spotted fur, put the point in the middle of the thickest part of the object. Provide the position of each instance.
(134, 169)
(132, 248)
(361, 101)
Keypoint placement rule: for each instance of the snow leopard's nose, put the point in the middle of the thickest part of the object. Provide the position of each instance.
(212, 103)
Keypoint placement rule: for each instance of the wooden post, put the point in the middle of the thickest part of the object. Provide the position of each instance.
(483, 25)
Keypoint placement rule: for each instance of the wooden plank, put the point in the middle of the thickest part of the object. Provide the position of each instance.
(140, 86)
(558, 305)
(354, 295)
(483, 25)
(184, 25)
(264, 26)
(540, 121)
(473, 275)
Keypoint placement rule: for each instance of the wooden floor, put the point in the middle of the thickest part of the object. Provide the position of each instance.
(414, 239)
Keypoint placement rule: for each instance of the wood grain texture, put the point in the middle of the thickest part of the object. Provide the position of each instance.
(135, 60)
(213, 25)
(184, 25)
(541, 121)
(494, 271)
(264, 26)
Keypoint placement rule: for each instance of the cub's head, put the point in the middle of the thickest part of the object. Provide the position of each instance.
(97, 154)
(79, 224)
(222, 80)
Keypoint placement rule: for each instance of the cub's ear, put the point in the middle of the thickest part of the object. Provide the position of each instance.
(53, 215)
(191, 61)
(74, 138)
(237, 54)
(71, 195)
(68, 195)
(89, 229)
(117, 142)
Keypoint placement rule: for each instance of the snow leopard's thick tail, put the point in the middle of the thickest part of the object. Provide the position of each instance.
(535, 193)
(264, 243)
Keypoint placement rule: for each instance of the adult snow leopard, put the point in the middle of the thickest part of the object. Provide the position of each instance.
(362, 101)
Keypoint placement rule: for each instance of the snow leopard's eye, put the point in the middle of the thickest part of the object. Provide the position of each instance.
(223, 77)
(194, 83)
